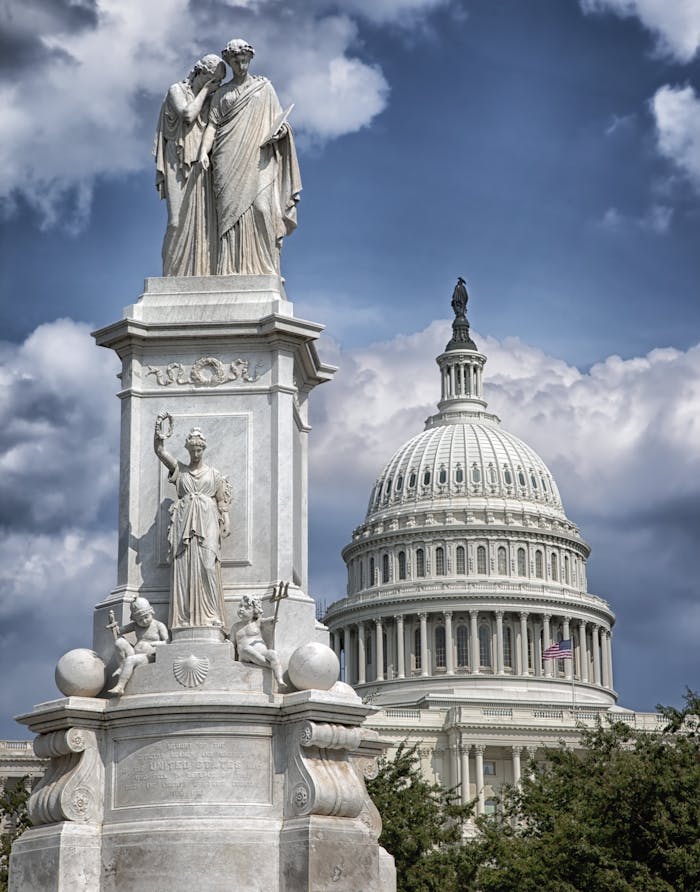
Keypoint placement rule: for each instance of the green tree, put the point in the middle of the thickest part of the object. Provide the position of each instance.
(14, 819)
(620, 815)
(422, 825)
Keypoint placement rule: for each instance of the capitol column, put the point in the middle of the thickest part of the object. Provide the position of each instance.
(475, 653)
(379, 650)
(350, 672)
(399, 647)
(361, 664)
(568, 664)
(499, 642)
(583, 651)
(547, 641)
(596, 655)
(465, 782)
(449, 649)
(523, 644)
(479, 759)
(423, 643)
(608, 651)
(516, 750)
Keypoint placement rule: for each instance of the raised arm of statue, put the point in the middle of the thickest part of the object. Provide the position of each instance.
(159, 437)
(187, 106)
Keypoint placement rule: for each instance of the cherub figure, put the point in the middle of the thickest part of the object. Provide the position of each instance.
(148, 632)
(249, 641)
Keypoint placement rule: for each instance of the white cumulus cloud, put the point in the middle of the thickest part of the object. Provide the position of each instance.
(676, 113)
(674, 23)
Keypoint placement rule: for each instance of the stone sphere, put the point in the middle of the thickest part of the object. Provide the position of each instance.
(80, 673)
(313, 666)
(341, 689)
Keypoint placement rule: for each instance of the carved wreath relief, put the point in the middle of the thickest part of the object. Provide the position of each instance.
(207, 371)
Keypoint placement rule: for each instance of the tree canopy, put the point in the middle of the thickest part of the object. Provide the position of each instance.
(620, 813)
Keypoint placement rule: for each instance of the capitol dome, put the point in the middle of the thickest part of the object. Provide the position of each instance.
(466, 568)
(468, 462)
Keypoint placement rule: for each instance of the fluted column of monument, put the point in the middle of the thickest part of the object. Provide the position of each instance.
(474, 634)
(583, 651)
(480, 792)
(568, 664)
(499, 643)
(547, 641)
(379, 633)
(516, 751)
(523, 643)
(424, 661)
(595, 641)
(361, 657)
(465, 790)
(400, 656)
(449, 654)
(604, 658)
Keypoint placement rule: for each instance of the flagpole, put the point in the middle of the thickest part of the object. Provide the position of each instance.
(573, 684)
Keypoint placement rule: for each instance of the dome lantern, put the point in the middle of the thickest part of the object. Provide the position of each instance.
(461, 367)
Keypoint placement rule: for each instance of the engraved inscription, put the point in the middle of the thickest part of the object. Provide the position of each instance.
(206, 769)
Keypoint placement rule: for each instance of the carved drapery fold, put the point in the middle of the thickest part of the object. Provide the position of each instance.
(72, 789)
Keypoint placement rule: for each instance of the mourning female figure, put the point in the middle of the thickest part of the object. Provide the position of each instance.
(198, 521)
(254, 167)
(189, 247)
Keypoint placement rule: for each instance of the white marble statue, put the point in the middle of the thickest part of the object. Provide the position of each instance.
(250, 644)
(254, 168)
(190, 243)
(148, 633)
(199, 519)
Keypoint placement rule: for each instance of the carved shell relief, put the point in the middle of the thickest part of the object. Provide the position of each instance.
(191, 671)
(207, 371)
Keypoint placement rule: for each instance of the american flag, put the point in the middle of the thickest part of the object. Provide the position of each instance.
(562, 650)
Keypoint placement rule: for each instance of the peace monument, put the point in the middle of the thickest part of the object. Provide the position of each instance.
(205, 741)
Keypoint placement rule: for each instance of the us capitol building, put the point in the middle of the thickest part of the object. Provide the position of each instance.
(463, 572)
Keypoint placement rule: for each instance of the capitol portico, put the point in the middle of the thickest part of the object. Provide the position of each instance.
(463, 572)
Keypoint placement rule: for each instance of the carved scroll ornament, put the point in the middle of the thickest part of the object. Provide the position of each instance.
(207, 371)
(73, 787)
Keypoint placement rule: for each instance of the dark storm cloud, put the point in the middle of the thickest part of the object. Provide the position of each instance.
(58, 430)
(23, 24)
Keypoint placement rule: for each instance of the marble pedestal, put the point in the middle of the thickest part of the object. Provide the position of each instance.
(204, 774)
(227, 354)
(218, 783)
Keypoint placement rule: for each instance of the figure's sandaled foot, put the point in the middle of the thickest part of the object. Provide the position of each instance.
(117, 690)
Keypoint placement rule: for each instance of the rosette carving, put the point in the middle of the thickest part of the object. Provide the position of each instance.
(72, 789)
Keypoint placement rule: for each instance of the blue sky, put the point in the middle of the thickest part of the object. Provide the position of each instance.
(546, 150)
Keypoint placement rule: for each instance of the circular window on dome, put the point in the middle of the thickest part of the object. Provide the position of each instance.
(507, 476)
(426, 477)
(476, 474)
(388, 488)
(492, 475)
(459, 475)
(399, 483)
(412, 480)
(533, 480)
(544, 482)
(521, 479)
(442, 476)
(379, 492)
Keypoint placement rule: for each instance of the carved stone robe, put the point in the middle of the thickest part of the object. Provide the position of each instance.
(194, 537)
(189, 246)
(256, 187)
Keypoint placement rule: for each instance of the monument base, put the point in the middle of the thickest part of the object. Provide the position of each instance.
(208, 788)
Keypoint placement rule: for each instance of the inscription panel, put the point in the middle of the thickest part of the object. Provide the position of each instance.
(205, 769)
